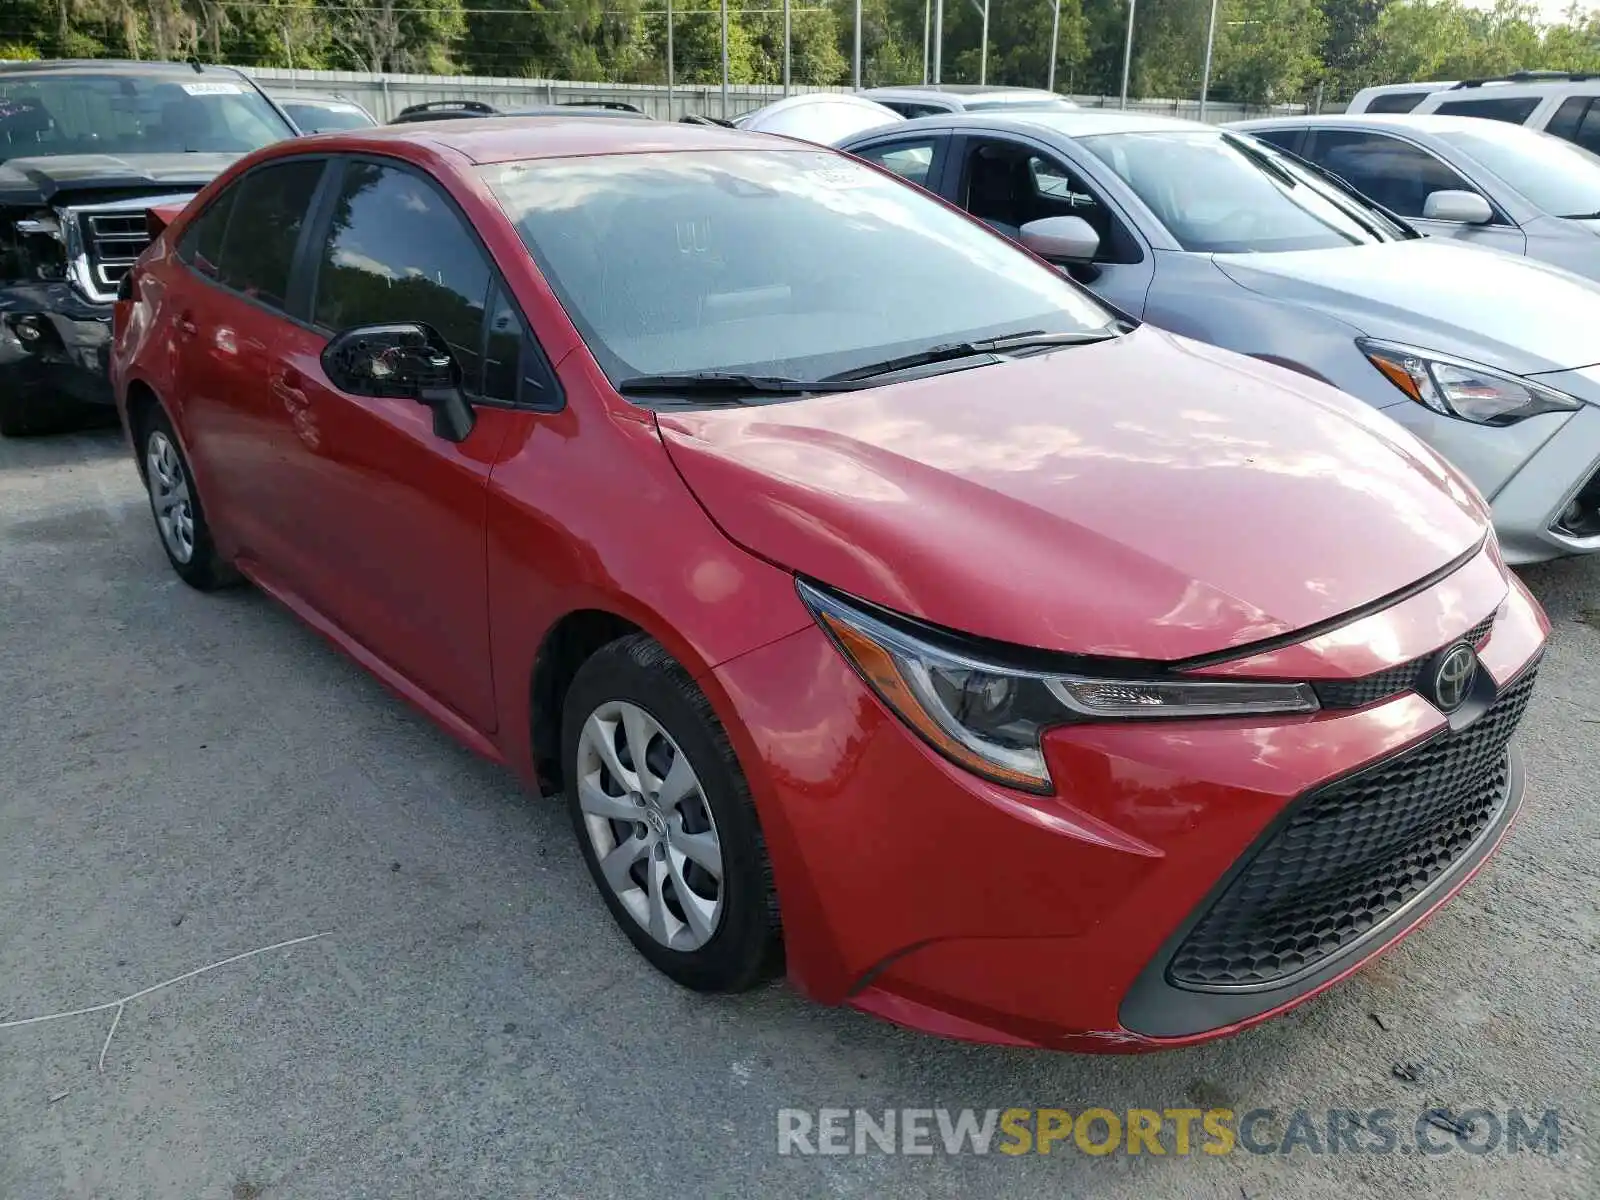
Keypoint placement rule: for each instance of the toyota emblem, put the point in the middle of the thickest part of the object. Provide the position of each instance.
(1452, 678)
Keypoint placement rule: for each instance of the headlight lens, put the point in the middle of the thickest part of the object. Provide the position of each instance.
(1458, 388)
(988, 717)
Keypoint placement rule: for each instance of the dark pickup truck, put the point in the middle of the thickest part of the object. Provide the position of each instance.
(85, 149)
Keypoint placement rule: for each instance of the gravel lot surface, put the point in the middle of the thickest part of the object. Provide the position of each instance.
(184, 778)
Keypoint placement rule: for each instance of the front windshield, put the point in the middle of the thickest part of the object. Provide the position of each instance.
(326, 117)
(1557, 176)
(1218, 194)
(795, 263)
(167, 113)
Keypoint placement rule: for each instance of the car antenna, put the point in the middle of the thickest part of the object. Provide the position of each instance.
(199, 67)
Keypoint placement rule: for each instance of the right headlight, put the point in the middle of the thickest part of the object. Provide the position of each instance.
(988, 716)
(1458, 388)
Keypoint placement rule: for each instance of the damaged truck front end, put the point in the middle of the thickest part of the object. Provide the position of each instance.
(60, 265)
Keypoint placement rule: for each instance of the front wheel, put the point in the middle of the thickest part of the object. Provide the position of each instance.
(665, 820)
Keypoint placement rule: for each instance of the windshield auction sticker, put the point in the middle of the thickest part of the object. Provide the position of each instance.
(213, 89)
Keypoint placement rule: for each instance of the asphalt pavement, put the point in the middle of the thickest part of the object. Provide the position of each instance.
(188, 778)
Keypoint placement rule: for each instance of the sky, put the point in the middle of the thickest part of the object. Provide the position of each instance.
(1550, 10)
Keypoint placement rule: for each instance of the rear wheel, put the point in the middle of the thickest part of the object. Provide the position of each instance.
(665, 821)
(175, 504)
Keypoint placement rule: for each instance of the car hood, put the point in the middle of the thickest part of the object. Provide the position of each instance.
(42, 180)
(1148, 497)
(1498, 309)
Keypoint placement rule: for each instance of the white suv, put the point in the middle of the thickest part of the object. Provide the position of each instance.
(1563, 103)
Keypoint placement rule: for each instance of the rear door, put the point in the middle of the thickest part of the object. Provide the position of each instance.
(230, 315)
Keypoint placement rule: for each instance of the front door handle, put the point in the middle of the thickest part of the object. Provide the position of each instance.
(186, 325)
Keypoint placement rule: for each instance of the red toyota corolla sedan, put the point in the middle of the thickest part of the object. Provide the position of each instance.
(883, 606)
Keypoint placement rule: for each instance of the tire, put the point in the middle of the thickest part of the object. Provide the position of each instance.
(26, 415)
(175, 505)
(727, 938)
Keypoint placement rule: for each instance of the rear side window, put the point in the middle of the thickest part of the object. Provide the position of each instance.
(1578, 121)
(1395, 102)
(396, 251)
(1283, 139)
(201, 246)
(909, 160)
(1514, 111)
(1395, 173)
(269, 210)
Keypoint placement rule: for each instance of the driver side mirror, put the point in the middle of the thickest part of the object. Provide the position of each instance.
(1463, 208)
(1061, 239)
(402, 362)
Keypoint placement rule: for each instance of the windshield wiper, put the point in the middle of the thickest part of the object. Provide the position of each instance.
(730, 384)
(951, 351)
(1594, 216)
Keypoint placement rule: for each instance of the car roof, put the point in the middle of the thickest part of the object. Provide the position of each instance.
(114, 66)
(1399, 122)
(1073, 122)
(963, 91)
(513, 139)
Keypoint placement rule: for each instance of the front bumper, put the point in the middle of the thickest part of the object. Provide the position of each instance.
(54, 345)
(1533, 510)
(917, 892)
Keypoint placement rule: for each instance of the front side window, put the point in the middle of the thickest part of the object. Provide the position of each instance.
(269, 210)
(1395, 173)
(165, 113)
(1218, 193)
(667, 263)
(1557, 176)
(909, 160)
(1008, 184)
(396, 252)
(1497, 108)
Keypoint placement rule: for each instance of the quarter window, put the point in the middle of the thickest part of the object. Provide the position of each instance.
(1396, 174)
(1578, 121)
(1512, 111)
(397, 252)
(1396, 102)
(269, 210)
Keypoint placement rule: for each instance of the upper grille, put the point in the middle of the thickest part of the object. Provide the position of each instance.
(112, 241)
(1369, 689)
(1353, 854)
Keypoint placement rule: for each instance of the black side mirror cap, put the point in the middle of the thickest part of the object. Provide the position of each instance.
(407, 361)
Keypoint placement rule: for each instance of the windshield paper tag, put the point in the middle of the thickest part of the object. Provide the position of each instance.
(212, 89)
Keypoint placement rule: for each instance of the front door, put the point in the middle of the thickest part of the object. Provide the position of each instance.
(395, 513)
(1007, 181)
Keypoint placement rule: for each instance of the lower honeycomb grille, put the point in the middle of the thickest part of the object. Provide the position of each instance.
(1352, 855)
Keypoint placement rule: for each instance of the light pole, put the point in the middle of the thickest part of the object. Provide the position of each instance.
(1205, 75)
(855, 67)
(1127, 54)
(1055, 41)
(669, 60)
(785, 47)
(938, 40)
(724, 60)
(983, 55)
(927, 25)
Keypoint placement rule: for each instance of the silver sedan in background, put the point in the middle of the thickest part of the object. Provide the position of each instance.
(1482, 182)
(1491, 359)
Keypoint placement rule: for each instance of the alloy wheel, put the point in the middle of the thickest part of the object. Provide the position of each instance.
(170, 496)
(653, 833)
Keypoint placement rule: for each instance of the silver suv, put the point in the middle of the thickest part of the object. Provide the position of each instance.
(1563, 103)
